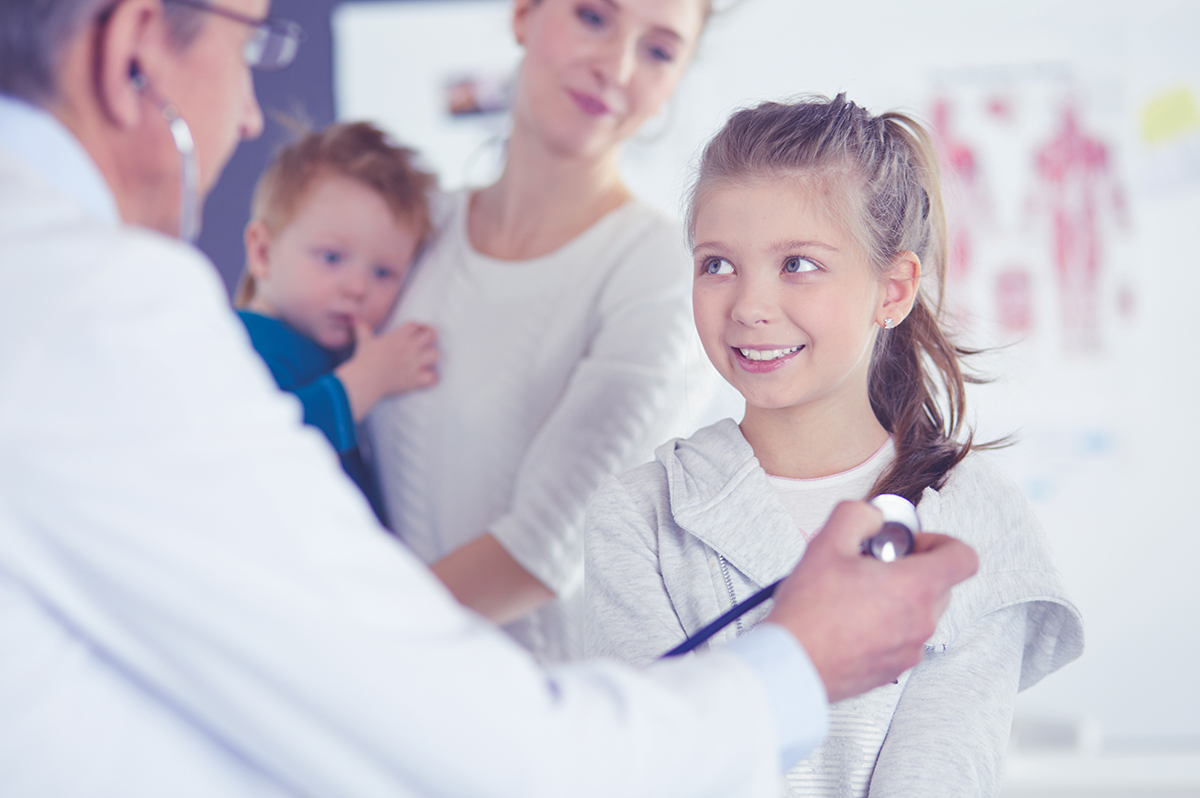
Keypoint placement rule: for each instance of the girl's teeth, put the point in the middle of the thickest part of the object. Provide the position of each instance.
(766, 354)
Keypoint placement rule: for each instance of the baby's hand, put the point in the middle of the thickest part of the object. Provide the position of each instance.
(396, 361)
(402, 359)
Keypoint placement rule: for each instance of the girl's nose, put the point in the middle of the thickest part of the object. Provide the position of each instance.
(754, 304)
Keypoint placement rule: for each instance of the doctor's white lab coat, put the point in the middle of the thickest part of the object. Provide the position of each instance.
(194, 600)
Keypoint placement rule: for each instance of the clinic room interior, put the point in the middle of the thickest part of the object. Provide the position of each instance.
(1067, 133)
(1100, 402)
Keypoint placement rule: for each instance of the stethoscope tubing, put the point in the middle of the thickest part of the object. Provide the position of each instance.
(900, 521)
(735, 612)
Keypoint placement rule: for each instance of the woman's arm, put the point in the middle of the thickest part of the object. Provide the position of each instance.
(950, 731)
(485, 577)
(614, 409)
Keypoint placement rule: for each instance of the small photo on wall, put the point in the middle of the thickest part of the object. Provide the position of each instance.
(478, 94)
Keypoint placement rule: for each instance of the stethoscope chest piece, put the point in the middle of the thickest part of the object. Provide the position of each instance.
(900, 523)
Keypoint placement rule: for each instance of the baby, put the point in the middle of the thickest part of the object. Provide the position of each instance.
(336, 220)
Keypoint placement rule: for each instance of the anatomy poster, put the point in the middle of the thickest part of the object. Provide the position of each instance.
(1038, 209)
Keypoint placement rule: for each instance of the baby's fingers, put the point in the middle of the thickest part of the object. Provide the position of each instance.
(415, 331)
(362, 331)
(427, 377)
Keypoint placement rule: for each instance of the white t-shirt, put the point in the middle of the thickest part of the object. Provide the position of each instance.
(555, 372)
(810, 501)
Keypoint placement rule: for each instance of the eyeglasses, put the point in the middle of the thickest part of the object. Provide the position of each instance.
(273, 44)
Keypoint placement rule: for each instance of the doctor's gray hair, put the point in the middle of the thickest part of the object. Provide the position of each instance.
(33, 34)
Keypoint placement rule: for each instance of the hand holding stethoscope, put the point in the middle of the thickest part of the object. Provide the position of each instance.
(892, 541)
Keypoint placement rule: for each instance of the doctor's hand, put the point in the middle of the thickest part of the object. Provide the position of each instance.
(398, 360)
(863, 622)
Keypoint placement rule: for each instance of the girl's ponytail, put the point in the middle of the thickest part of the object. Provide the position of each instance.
(917, 386)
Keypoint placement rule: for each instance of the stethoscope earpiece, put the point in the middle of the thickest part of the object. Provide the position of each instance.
(137, 77)
(185, 145)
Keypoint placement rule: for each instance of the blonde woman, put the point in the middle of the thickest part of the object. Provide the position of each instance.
(562, 311)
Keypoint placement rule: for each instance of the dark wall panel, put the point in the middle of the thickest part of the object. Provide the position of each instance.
(304, 89)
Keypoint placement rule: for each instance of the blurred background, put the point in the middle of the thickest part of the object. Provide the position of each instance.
(1070, 138)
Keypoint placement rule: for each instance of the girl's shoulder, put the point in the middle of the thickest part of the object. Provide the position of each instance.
(638, 493)
(984, 508)
(978, 478)
(686, 471)
(982, 501)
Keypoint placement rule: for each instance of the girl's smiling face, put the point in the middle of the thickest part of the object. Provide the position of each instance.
(786, 302)
(595, 70)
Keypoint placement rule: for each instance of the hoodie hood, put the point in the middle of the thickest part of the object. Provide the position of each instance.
(720, 494)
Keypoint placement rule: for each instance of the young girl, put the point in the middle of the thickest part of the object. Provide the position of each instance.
(813, 224)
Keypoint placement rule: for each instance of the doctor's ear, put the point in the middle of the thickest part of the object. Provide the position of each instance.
(126, 38)
(137, 78)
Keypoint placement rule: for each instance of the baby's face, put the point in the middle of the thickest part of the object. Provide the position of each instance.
(342, 257)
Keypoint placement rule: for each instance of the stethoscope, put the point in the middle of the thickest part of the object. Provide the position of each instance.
(890, 543)
(185, 145)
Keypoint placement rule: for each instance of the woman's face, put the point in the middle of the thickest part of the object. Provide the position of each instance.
(595, 70)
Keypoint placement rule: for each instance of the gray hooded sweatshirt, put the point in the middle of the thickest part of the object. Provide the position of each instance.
(674, 543)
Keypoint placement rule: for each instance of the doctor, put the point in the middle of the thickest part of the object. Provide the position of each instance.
(195, 601)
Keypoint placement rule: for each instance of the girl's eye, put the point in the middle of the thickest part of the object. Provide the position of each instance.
(590, 16)
(718, 266)
(330, 257)
(796, 265)
(385, 273)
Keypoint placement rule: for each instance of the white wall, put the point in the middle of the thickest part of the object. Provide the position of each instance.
(1109, 434)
